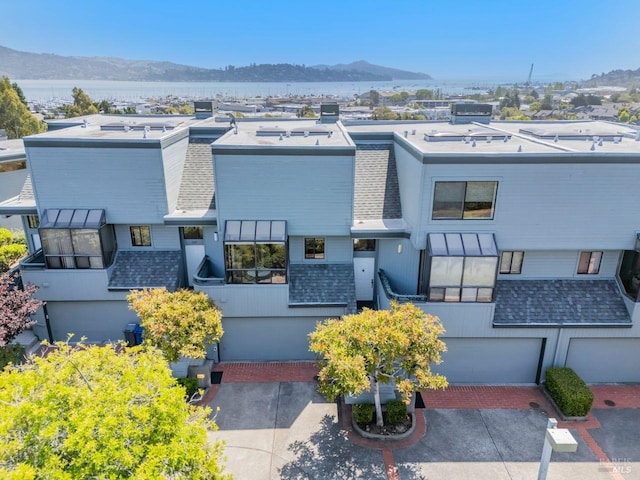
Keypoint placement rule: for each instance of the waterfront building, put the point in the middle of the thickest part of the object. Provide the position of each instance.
(518, 235)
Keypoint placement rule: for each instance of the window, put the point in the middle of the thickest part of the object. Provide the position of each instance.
(140, 236)
(589, 263)
(511, 263)
(33, 221)
(464, 200)
(192, 233)
(77, 239)
(255, 251)
(314, 248)
(364, 245)
(460, 267)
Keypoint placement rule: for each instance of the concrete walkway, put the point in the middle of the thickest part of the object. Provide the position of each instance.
(276, 426)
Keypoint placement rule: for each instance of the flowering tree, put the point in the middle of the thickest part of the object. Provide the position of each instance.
(99, 412)
(379, 346)
(16, 306)
(180, 323)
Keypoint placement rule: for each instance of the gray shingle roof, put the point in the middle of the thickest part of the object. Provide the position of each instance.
(322, 284)
(26, 194)
(377, 195)
(146, 269)
(197, 187)
(559, 302)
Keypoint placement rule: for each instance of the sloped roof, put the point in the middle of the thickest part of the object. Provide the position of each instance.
(377, 195)
(146, 269)
(197, 185)
(322, 284)
(559, 303)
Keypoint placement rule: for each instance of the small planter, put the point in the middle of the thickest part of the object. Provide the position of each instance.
(390, 437)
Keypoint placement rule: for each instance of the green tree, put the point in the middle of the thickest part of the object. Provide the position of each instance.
(100, 412)
(379, 346)
(15, 118)
(306, 112)
(624, 115)
(82, 104)
(535, 106)
(633, 119)
(513, 113)
(181, 323)
(20, 93)
(424, 94)
(374, 96)
(547, 102)
(383, 113)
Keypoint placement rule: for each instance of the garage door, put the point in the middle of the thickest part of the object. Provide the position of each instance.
(491, 360)
(605, 360)
(267, 338)
(98, 321)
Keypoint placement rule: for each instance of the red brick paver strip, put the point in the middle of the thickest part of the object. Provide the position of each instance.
(624, 396)
(485, 397)
(238, 372)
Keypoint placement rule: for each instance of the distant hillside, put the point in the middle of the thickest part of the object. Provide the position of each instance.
(615, 78)
(363, 66)
(44, 66)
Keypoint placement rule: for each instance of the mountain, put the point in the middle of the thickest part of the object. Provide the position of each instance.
(363, 66)
(615, 78)
(45, 66)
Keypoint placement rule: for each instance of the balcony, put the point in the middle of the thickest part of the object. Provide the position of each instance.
(205, 275)
(35, 261)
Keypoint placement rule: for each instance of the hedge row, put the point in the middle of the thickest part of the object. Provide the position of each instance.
(568, 390)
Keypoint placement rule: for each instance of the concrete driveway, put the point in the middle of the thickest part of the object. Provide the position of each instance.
(286, 430)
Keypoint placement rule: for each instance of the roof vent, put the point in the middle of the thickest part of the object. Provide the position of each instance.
(127, 128)
(406, 133)
(317, 142)
(489, 138)
(638, 136)
(617, 140)
(506, 139)
(84, 123)
(593, 147)
(164, 129)
(555, 139)
(519, 148)
(474, 143)
(288, 134)
(413, 132)
(600, 143)
(280, 137)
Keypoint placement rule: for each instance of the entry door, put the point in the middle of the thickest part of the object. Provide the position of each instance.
(363, 269)
(194, 255)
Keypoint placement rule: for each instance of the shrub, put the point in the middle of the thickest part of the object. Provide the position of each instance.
(6, 237)
(11, 253)
(363, 413)
(190, 385)
(396, 411)
(568, 390)
(11, 354)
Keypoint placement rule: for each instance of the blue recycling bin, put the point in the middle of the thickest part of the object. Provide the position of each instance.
(138, 334)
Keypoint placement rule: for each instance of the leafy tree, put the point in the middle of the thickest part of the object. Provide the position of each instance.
(20, 93)
(424, 94)
(374, 96)
(16, 306)
(547, 102)
(181, 323)
(535, 107)
(513, 113)
(100, 412)
(534, 94)
(82, 104)
(306, 112)
(633, 119)
(383, 113)
(379, 346)
(15, 118)
(624, 115)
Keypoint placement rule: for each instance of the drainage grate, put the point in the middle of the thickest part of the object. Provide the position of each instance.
(216, 378)
(610, 403)
(534, 404)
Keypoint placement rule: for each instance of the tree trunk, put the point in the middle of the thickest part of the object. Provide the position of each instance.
(376, 401)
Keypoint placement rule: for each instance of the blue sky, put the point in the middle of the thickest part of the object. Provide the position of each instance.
(452, 39)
